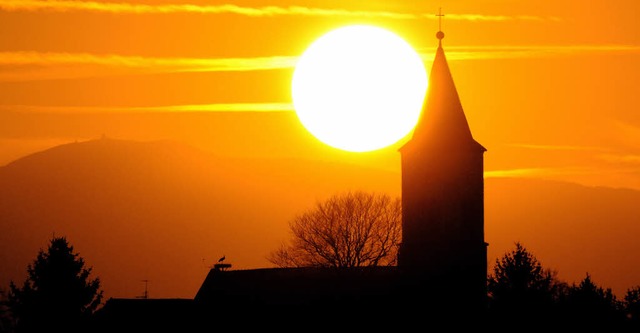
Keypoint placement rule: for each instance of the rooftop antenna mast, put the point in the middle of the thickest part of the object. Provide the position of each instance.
(146, 290)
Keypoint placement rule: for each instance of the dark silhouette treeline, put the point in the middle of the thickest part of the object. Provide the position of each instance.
(59, 295)
(521, 290)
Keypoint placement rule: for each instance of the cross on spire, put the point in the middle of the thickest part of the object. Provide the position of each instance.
(440, 34)
(440, 15)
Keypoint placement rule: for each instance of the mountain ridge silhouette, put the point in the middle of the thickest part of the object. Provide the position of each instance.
(164, 211)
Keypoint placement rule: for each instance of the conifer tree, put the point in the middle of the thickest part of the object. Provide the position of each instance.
(58, 294)
(632, 305)
(520, 287)
(588, 303)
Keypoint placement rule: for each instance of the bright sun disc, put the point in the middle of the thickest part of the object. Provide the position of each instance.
(359, 88)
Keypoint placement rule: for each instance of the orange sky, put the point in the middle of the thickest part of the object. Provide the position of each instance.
(549, 87)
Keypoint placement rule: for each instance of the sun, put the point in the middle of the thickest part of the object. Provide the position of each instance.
(359, 88)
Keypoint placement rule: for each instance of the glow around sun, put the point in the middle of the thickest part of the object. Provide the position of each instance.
(359, 88)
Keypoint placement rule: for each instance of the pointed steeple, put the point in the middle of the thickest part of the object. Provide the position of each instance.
(443, 245)
(442, 121)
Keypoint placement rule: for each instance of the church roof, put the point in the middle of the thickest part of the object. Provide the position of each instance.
(300, 286)
(442, 121)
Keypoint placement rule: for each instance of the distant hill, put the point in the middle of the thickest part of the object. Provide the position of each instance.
(571, 228)
(165, 212)
(137, 210)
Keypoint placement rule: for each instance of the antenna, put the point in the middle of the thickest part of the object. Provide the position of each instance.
(146, 290)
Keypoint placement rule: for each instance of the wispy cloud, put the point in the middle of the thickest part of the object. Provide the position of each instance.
(559, 147)
(27, 66)
(478, 17)
(615, 158)
(253, 107)
(173, 64)
(522, 172)
(626, 158)
(529, 51)
(557, 173)
(266, 11)
(612, 176)
(238, 107)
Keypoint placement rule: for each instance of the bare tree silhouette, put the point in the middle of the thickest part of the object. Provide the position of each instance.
(352, 229)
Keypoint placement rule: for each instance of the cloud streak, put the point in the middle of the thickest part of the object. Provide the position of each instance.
(478, 17)
(237, 107)
(266, 11)
(603, 153)
(173, 64)
(522, 172)
(530, 51)
(557, 173)
(559, 147)
(26, 66)
(629, 159)
(30, 66)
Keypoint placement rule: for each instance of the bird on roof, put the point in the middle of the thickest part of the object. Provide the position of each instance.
(221, 259)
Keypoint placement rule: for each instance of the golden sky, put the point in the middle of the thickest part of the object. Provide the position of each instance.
(551, 88)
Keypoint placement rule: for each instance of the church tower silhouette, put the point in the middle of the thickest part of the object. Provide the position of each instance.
(442, 260)
(443, 245)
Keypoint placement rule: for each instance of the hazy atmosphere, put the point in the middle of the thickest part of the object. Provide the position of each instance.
(159, 136)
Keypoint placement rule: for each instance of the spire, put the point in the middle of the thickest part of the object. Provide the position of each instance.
(442, 121)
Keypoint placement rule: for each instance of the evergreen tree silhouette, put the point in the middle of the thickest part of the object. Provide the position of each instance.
(521, 289)
(588, 304)
(632, 306)
(6, 320)
(58, 295)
